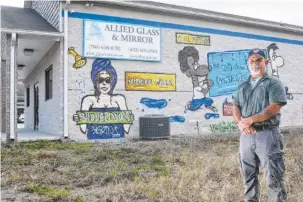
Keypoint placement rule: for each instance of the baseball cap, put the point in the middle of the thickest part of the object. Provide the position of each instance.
(257, 51)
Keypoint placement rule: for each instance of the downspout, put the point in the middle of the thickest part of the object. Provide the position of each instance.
(12, 86)
(65, 86)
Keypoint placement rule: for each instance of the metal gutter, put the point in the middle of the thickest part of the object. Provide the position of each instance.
(12, 86)
(31, 32)
(65, 73)
(212, 15)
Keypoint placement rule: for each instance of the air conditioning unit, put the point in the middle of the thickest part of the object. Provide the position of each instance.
(154, 126)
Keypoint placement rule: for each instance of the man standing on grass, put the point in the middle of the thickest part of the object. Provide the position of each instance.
(257, 103)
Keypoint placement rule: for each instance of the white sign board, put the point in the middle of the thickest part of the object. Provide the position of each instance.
(121, 41)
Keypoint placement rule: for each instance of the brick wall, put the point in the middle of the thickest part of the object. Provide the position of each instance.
(6, 86)
(2, 96)
(3, 45)
(49, 10)
(2, 83)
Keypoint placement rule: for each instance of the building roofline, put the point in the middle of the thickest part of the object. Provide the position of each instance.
(205, 14)
(32, 32)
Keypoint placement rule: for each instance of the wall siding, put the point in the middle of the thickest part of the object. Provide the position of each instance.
(49, 10)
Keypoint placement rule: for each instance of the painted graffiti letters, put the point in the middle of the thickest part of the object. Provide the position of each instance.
(104, 131)
(104, 115)
(123, 117)
(184, 38)
(223, 80)
(223, 127)
(162, 83)
(229, 70)
(137, 81)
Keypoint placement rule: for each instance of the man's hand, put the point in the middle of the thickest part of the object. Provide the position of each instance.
(245, 123)
(248, 131)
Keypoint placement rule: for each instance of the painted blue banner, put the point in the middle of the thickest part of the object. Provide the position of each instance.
(229, 69)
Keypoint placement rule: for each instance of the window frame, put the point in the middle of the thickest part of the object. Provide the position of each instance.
(49, 83)
(28, 96)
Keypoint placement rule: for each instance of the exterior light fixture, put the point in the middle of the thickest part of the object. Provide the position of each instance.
(28, 51)
(21, 65)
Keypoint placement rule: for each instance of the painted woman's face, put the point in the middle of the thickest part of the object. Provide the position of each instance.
(104, 81)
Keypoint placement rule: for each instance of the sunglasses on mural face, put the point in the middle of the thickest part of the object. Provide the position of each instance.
(107, 80)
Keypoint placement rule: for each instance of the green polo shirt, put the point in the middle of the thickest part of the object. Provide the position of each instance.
(251, 100)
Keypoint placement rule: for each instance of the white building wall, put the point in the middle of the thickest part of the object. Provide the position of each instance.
(80, 83)
(50, 111)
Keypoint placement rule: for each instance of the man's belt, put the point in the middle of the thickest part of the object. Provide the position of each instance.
(262, 126)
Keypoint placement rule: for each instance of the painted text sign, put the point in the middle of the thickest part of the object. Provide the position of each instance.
(89, 117)
(229, 69)
(121, 41)
(184, 38)
(138, 81)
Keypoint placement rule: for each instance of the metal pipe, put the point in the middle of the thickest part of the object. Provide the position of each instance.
(12, 87)
(30, 32)
(65, 86)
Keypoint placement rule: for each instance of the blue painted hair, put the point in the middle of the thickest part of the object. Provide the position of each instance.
(103, 65)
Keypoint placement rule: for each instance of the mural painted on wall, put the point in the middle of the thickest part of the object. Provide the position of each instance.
(185, 38)
(188, 59)
(227, 108)
(224, 127)
(154, 103)
(229, 69)
(276, 61)
(178, 119)
(79, 60)
(138, 81)
(211, 116)
(288, 95)
(104, 115)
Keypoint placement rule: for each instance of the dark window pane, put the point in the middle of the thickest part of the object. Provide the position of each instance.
(27, 96)
(49, 83)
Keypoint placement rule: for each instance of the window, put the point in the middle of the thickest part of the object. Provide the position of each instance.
(27, 96)
(49, 83)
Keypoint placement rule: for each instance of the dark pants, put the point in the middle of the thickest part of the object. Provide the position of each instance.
(264, 148)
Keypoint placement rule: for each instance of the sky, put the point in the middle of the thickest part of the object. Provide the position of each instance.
(286, 11)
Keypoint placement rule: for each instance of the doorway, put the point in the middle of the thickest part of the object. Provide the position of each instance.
(36, 106)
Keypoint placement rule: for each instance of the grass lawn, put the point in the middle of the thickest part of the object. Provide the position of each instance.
(191, 169)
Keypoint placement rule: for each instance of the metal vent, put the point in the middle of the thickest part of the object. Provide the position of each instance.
(154, 126)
